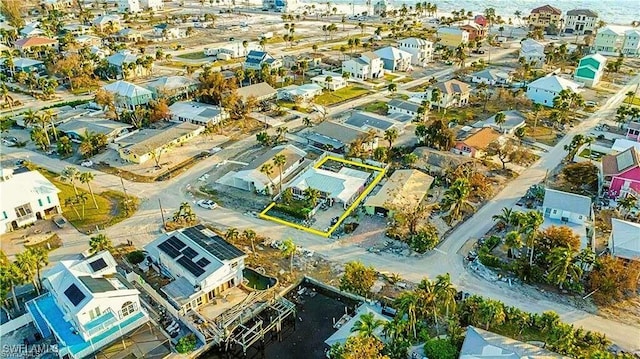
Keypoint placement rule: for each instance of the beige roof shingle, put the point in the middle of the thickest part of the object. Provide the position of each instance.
(452, 87)
(481, 139)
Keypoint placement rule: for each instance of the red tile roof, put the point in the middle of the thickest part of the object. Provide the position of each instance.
(35, 41)
(546, 9)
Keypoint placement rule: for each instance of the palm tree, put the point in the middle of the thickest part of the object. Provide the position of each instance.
(512, 241)
(100, 243)
(446, 293)
(26, 263)
(280, 160)
(563, 266)
(41, 258)
(70, 174)
(532, 221)
(232, 234)
(47, 117)
(456, 199)
(289, 250)
(483, 90)
(391, 135)
(499, 119)
(87, 178)
(407, 304)
(631, 97)
(436, 96)
(491, 312)
(505, 217)
(312, 195)
(366, 325)
(71, 202)
(627, 203)
(12, 275)
(6, 97)
(82, 198)
(267, 170)
(250, 235)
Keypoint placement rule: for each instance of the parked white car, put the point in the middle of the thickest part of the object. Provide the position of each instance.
(207, 203)
(87, 163)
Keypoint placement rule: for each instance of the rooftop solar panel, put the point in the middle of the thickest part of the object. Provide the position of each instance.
(74, 294)
(190, 252)
(168, 250)
(98, 264)
(215, 245)
(176, 243)
(203, 262)
(190, 266)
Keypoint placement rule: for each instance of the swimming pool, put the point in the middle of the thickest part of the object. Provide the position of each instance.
(257, 281)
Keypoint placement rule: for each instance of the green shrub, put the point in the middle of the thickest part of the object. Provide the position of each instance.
(300, 213)
(492, 242)
(489, 259)
(135, 257)
(441, 349)
(426, 239)
(186, 344)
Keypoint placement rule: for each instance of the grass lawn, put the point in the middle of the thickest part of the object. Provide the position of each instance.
(390, 77)
(110, 206)
(594, 155)
(543, 134)
(193, 55)
(329, 98)
(379, 107)
(636, 100)
(290, 105)
(227, 62)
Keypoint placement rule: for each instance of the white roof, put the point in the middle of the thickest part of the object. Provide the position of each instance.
(345, 331)
(295, 90)
(338, 185)
(24, 187)
(122, 57)
(392, 53)
(126, 89)
(251, 173)
(171, 83)
(491, 74)
(530, 45)
(566, 201)
(625, 239)
(554, 83)
(615, 29)
(196, 111)
(104, 19)
(415, 41)
(596, 56)
(622, 144)
(513, 119)
(94, 277)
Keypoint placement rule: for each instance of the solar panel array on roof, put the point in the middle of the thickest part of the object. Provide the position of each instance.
(203, 262)
(214, 245)
(168, 250)
(190, 266)
(176, 243)
(98, 264)
(74, 294)
(189, 252)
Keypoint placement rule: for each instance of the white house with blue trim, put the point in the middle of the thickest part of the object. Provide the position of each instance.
(545, 89)
(88, 306)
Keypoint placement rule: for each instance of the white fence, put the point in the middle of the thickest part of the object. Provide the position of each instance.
(16, 323)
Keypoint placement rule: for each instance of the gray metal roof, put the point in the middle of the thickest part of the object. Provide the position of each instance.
(479, 343)
(405, 105)
(566, 201)
(363, 120)
(336, 131)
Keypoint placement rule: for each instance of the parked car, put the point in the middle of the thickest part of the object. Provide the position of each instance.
(215, 150)
(207, 203)
(59, 221)
(87, 163)
(480, 52)
(20, 163)
(590, 103)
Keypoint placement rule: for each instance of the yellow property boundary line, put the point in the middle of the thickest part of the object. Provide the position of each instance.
(346, 213)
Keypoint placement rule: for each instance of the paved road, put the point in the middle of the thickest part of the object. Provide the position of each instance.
(144, 227)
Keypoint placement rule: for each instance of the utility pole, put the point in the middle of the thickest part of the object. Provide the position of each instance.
(161, 212)
(126, 197)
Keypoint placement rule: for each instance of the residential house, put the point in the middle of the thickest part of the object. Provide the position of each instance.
(76, 29)
(330, 82)
(476, 32)
(88, 305)
(349, 328)
(311, 60)
(481, 344)
(403, 107)
(545, 89)
(233, 50)
(421, 50)
(56, 4)
(571, 210)
(513, 120)
(31, 29)
(533, 53)
(491, 77)
(394, 59)
(621, 173)
(452, 37)
(438, 162)
(21, 64)
(546, 17)
(256, 59)
(299, 93)
(35, 45)
(260, 92)
(26, 197)
(624, 241)
(367, 66)
(201, 265)
(404, 188)
(76, 129)
(613, 39)
(127, 95)
(633, 131)
(251, 178)
(130, 6)
(197, 113)
(474, 143)
(153, 5)
(590, 69)
(278, 5)
(581, 22)
(127, 35)
(151, 143)
(481, 20)
(370, 122)
(167, 31)
(88, 40)
(125, 64)
(105, 22)
(342, 187)
(335, 137)
(172, 87)
(453, 93)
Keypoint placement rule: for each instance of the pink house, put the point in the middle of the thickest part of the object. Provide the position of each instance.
(622, 173)
(633, 131)
(480, 20)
